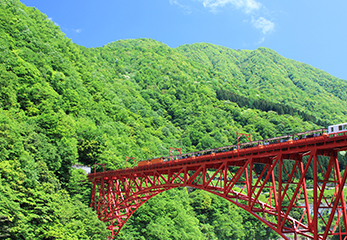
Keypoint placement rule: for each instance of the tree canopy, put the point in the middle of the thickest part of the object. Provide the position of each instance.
(63, 104)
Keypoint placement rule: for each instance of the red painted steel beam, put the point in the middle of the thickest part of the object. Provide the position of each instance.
(233, 175)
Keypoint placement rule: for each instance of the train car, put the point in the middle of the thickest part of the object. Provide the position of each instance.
(143, 163)
(156, 160)
(291, 138)
(337, 128)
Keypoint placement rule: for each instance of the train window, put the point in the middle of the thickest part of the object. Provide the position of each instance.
(340, 127)
(345, 127)
(332, 129)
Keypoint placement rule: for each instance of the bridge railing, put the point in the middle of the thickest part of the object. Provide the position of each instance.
(264, 142)
(293, 138)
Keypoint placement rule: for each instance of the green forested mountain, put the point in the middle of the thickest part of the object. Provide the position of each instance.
(62, 104)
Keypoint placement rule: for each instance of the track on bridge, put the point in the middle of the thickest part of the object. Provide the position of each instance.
(257, 179)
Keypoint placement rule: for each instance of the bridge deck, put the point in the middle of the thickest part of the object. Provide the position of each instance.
(260, 154)
(234, 175)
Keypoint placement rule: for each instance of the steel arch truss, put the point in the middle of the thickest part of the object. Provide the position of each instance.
(279, 188)
(250, 183)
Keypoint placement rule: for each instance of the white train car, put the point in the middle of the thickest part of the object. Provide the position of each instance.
(337, 128)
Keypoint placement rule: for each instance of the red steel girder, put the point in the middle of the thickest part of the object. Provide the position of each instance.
(256, 179)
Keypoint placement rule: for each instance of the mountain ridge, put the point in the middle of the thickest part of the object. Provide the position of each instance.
(63, 104)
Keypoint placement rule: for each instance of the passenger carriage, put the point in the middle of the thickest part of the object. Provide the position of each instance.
(331, 130)
(337, 128)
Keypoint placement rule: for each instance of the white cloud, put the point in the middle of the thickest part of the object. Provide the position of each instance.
(78, 30)
(261, 40)
(247, 6)
(251, 8)
(51, 19)
(266, 26)
(187, 9)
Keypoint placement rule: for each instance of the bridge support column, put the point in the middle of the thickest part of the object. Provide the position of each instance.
(271, 182)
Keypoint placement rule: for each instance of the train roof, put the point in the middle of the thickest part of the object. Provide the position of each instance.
(338, 124)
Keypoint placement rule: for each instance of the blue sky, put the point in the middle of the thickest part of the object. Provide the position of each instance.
(309, 31)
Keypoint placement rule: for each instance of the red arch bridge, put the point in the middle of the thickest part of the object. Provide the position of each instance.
(268, 181)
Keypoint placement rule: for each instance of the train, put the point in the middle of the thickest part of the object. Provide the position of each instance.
(337, 128)
(332, 130)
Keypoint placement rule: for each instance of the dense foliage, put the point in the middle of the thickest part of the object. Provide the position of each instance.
(62, 104)
(266, 105)
(177, 214)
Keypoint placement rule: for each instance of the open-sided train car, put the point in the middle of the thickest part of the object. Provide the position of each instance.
(151, 161)
(261, 143)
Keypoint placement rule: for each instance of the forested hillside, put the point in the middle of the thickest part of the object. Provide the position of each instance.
(62, 104)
